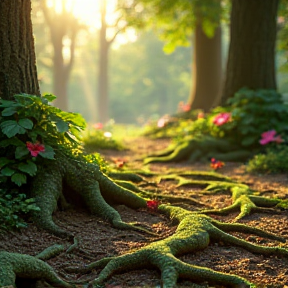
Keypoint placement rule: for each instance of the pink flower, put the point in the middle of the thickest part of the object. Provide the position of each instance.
(35, 149)
(98, 126)
(184, 107)
(153, 204)
(269, 136)
(221, 118)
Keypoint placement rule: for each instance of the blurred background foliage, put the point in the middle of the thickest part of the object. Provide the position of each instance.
(145, 83)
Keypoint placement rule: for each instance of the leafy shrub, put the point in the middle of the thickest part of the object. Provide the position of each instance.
(12, 208)
(273, 161)
(95, 139)
(30, 132)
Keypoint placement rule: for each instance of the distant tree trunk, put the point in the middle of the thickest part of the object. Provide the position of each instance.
(18, 73)
(61, 25)
(206, 69)
(103, 96)
(251, 59)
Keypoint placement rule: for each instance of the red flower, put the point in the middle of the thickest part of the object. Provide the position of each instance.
(215, 164)
(35, 149)
(119, 162)
(153, 204)
(221, 118)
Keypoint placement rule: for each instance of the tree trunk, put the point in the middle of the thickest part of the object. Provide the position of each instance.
(103, 101)
(18, 73)
(61, 25)
(206, 69)
(251, 59)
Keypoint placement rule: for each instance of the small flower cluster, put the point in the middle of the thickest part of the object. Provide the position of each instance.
(221, 118)
(119, 162)
(35, 148)
(153, 205)
(270, 136)
(184, 107)
(216, 164)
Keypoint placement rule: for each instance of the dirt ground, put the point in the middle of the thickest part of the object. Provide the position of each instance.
(98, 239)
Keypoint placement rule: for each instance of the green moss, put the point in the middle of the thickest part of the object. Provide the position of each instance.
(193, 233)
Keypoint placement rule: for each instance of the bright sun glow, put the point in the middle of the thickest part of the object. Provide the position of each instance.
(88, 12)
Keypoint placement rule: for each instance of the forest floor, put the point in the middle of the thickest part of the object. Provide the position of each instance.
(98, 239)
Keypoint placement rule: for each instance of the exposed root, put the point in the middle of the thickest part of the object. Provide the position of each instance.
(245, 200)
(198, 149)
(15, 266)
(88, 182)
(193, 233)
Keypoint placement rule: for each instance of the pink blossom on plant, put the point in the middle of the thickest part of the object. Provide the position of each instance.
(184, 107)
(98, 126)
(269, 136)
(35, 148)
(221, 118)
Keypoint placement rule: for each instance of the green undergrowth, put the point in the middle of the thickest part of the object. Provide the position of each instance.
(250, 113)
(31, 132)
(273, 161)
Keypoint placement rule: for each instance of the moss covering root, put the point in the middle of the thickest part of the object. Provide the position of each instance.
(246, 200)
(14, 266)
(86, 181)
(201, 148)
(193, 234)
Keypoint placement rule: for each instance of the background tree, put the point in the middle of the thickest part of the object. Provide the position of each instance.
(251, 59)
(176, 21)
(63, 27)
(15, 63)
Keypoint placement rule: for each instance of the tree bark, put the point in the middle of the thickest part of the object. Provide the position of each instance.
(18, 73)
(251, 58)
(206, 69)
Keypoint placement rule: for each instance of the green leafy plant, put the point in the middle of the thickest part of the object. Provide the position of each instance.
(31, 131)
(273, 161)
(29, 127)
(96, 138)
(13, 205)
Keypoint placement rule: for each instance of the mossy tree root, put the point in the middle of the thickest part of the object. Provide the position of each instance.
(202, 148)
(193, 234)
(86, 181)
(243, 199)
(159, 196)
(15, 266)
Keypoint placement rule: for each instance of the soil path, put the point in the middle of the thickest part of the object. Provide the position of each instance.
(99, 240)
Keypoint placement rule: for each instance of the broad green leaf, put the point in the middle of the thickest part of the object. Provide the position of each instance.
(29, 168)
(10, 128)
(62, 126)
(11, 141)
(9, 111)
(7, 171)
(21, 151)
(26, 123)
(49, 97)
(19, 179)
(8, 103)
(4, 161)
(48, 153)
(25, 99)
